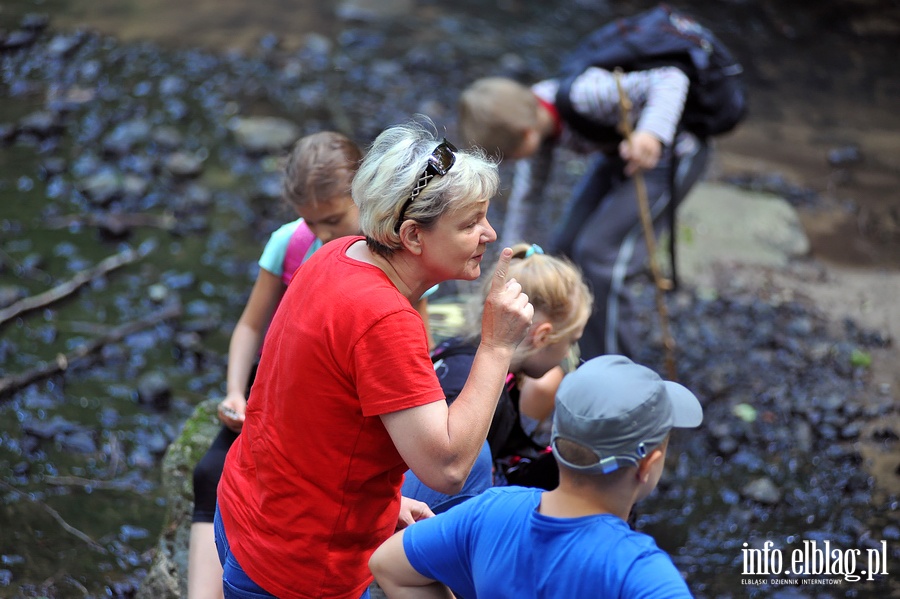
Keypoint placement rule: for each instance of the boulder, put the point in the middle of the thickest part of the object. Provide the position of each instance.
(167, 576)
(720, 225)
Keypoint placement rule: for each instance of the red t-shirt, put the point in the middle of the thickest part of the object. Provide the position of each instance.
(312, 485)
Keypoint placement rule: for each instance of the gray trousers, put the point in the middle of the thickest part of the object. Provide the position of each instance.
(601, 232)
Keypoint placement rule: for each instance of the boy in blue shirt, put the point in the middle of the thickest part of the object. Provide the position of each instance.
(610, 434)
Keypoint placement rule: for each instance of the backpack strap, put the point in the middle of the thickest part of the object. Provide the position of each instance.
(298, 246)
(587, 128)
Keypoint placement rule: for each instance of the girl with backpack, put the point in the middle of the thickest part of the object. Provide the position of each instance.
(316, 185)
(519, 433)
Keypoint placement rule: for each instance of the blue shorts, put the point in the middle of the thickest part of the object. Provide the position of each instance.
(235, 582)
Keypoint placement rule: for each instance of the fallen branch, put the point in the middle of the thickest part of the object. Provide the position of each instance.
(113, 222)
(78, 481)
(661, 283)
(66, 526)
(72, 285)
(64, 361)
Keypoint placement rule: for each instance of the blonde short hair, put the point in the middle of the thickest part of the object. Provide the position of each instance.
(389, 172)
(495, 113)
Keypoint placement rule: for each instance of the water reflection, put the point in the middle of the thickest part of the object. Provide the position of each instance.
(86, 445)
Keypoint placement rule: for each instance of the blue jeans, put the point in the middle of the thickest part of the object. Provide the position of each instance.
(235, 582)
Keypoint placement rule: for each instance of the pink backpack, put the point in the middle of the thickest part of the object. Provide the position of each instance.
(301, 240)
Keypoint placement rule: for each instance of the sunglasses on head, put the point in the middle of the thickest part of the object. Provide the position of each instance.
(439, 163)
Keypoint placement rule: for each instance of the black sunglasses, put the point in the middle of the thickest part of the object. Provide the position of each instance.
(439, 163)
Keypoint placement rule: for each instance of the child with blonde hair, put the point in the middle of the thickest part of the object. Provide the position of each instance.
(518, 439)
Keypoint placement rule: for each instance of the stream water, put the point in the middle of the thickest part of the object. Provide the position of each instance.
(83, 449)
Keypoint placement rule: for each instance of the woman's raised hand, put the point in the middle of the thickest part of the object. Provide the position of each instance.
(507, 311)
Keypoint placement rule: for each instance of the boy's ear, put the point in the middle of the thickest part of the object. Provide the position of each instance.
(645, 466)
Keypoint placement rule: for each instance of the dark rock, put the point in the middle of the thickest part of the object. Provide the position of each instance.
(35, 22)
(10, 294)
(851, 431)
(79, 442)
(153, 389)
(41, 123)
(126, 136)
(885, 434)
(103, 186)
(844, 156)
(48, 429)
(18, 39)
(65, 44)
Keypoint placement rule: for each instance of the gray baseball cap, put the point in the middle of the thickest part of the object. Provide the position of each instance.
(620, 410)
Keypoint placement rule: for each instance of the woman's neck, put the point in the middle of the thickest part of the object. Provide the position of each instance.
(395, 268)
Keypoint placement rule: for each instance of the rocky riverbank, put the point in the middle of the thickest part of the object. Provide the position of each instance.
(108, 146)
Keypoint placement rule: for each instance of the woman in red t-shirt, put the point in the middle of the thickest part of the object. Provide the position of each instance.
(346, 398)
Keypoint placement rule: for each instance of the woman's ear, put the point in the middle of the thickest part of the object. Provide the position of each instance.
(411, 237)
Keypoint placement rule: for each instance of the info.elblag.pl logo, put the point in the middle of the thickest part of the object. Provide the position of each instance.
(812, 558)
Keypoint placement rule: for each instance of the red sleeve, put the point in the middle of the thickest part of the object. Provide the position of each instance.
(391, 365)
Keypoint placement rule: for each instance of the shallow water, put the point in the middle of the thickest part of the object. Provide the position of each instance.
(812, 92)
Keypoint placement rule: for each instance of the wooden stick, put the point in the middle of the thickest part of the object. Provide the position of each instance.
(64, 361)
(661, 283)
(66, 526)
(71, 286)
(113, 222)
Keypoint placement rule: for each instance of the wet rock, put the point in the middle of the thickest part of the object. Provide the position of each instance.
(65, 44)
(79, 442)
(885, 434)
(891, 532)
(48, 429)
(845, 155)
(851, 432)
(154, 389)
(264, 135)
(10, 294)
(41, 123)
(762, 490)
(750, 229)
(372, 10)
(142, 458)
(126, 136)
(35, 21)
(17, 39)
(7, 132)
(184, 164)
(103, 187)
(167, 137)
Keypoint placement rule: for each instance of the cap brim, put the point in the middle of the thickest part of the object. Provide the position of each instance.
(686, 409)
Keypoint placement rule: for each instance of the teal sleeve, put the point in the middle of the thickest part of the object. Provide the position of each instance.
(272, 258)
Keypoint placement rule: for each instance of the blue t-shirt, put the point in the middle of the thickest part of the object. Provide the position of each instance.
(497, 545)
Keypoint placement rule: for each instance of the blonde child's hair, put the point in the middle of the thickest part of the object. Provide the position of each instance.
(554, 286)
(320, 168)
(495, 113)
